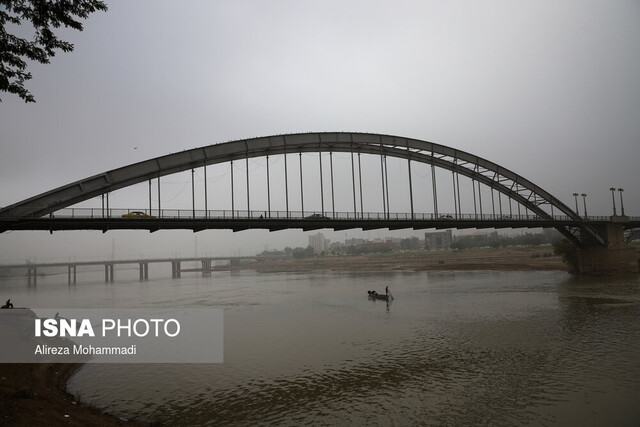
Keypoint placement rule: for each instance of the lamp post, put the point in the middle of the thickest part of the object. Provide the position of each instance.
(584, 200)
(575, 196)
(621, 204)
(613, 197)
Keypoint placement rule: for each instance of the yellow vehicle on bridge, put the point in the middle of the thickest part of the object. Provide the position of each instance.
(137, 214)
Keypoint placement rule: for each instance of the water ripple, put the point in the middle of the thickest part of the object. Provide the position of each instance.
(461, 349)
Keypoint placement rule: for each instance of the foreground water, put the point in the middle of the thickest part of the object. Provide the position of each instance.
(455, 348)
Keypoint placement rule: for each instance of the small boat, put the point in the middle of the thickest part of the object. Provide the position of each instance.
(375, 295)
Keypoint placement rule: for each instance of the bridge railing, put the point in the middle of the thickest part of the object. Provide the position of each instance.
(199, 214)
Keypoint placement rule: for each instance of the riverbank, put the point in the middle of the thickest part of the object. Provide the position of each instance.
(521, 258)
(34, 394)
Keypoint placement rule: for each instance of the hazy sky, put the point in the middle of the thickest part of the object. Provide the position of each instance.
(548, 89)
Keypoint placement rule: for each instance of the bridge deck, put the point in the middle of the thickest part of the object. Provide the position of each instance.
(275, 224)
(127, 261)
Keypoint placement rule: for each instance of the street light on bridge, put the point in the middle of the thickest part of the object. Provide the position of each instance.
(613, 197)
(621, 204)
(584, 200)
(575, 196)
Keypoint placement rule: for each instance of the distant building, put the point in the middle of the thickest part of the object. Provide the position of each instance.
(438, 240)
(319, 243)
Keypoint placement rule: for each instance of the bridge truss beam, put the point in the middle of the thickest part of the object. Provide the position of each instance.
(272, 224)
(496, 177)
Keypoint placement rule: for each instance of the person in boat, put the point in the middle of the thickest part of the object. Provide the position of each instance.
(386, 290)
(8, 304)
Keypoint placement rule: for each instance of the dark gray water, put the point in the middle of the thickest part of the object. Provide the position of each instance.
(454, 348)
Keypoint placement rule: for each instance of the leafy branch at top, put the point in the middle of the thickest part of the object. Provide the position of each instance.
(44, 16)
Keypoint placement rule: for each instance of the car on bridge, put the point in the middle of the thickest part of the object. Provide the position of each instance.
(137, 214)
(316, 216)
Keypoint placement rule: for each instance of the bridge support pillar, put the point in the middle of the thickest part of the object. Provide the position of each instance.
(206, 268)
(175, 269)
(71, 268)
(108, 273)
(616, 256)
(144, 271)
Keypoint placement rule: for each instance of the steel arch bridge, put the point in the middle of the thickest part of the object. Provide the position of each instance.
(40, 212)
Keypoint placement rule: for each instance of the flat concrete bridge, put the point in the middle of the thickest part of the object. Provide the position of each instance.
(495, 196)
(207, 266)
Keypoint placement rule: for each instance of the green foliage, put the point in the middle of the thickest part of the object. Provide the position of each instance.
(412, 244)
(294, 252)
(273, 253)
(495, 240)
(43, 16)
(303, 252)
(569, 253)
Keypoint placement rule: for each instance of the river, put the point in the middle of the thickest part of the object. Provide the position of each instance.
(454, 348)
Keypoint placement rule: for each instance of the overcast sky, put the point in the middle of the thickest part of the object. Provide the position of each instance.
(548, 89)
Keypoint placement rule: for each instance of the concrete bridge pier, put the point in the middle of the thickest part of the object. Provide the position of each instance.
(74, 269)
(175, 269)
(616, 256)
(144, 271)
(206, 268)
(108, 273)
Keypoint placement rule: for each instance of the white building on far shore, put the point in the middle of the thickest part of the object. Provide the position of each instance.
(319, 243)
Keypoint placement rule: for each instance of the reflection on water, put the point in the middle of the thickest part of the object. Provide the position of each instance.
(453, 348)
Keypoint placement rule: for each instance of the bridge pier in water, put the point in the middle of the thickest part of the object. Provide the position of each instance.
(73, 268)
(206, 268)
(108, 273)
(175, 269)
(144, 271)
(616, 256)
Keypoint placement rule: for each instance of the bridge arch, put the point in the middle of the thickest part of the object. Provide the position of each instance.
(514, 186)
